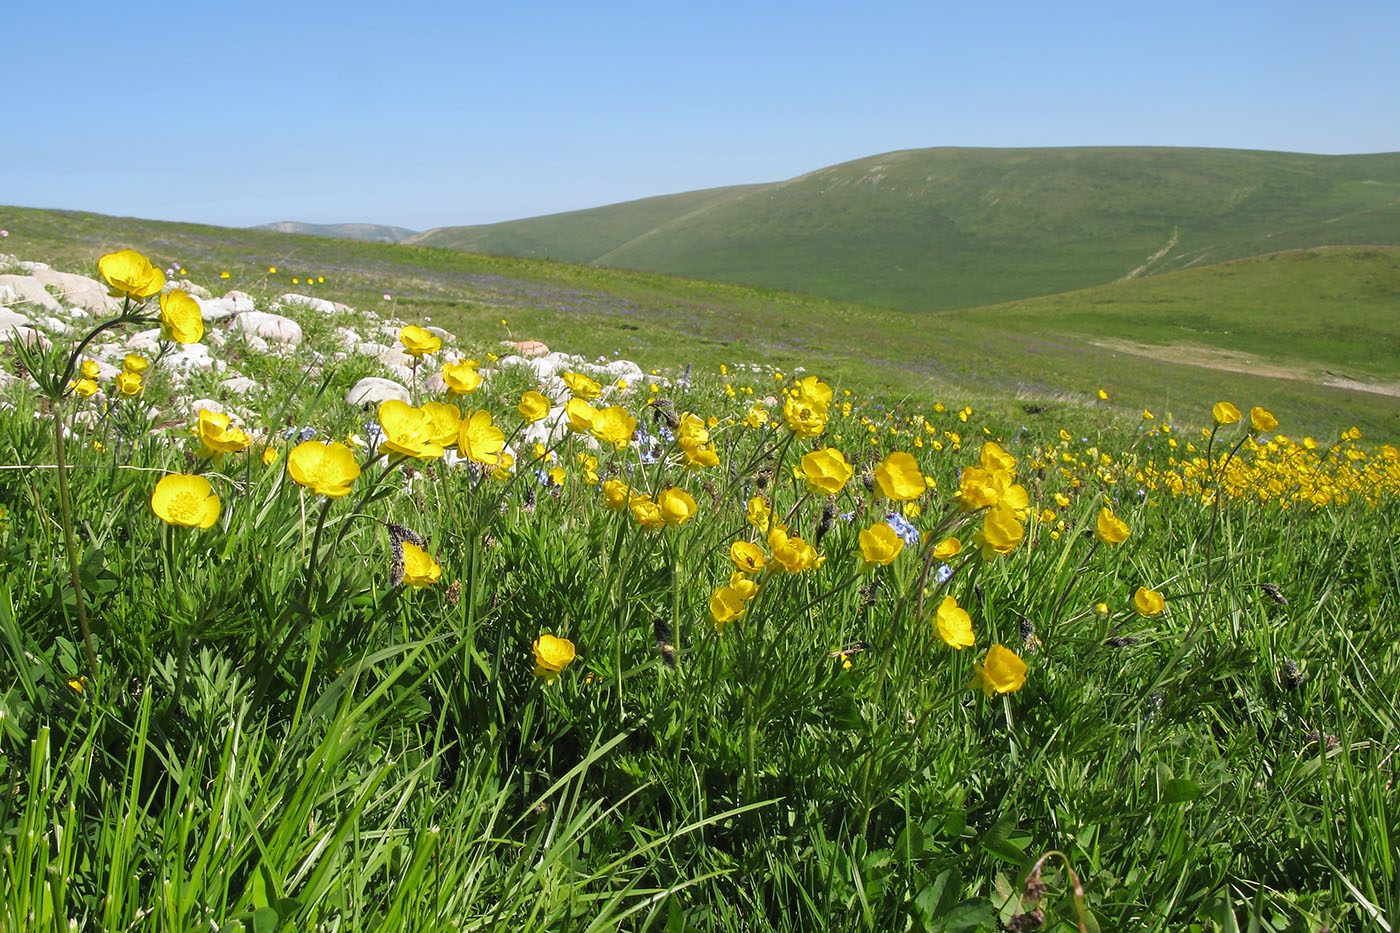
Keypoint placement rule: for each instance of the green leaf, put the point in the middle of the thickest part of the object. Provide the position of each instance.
(1180, 790)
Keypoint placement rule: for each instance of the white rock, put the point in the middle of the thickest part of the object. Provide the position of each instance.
(239, 385)
(372, 390)
(445, 336)
(391, 331)
(53, 325)
(30, 266)
(188, 356)
(623, 369)
(256, 343)
(391, 356)
(9, 319)
(319, 305)
(242, 301)
(269, 326)
(216, 337)
(189, 288)
(435, 385)
(146, 341)
(213, 406)
(216, 309)
(25, 335)
(370, 349)
(29, 289)
(79, 290)
(347, 337)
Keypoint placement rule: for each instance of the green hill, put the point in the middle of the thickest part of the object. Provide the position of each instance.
(1314, 335)
(933, 229)
(376, 233)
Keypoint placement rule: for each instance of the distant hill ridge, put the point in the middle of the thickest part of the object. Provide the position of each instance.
(374, 233)
(933, 229)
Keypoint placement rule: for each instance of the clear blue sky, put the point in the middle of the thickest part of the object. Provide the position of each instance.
(422, 115)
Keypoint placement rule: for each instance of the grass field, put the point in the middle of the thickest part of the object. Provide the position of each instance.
(1294, 315)
(934, 229)
(749, 652)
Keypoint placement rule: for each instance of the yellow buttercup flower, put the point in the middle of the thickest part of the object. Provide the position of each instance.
(613, 425)
(616, 494)
(84, 388)
(1000, 533)
(128, 383)
(1148, 602)
(461, 378)
(826, 471)
(419, 568)
(1225, 413)
(790, 553)
(408, 430)
(582, 387)
(552, 655)
(325, 469)
(185, 500)
(218, 435)
(1109, 528)
(1002, 672)
(445, 419)
(580, 415)
(759, 513)
(180, 317)
(480, 440)
(746, 588)
(533, 406)
(947, 549)
(804, 416)
(898, 477)
(954, 624)
(269, 455)
(879, 544)
(130, 275)
(418, 341)
(726, 605)
(646, 512)
(135, 363)
(677, 506)
(747, 556)
(89, 369)
(1262, 419)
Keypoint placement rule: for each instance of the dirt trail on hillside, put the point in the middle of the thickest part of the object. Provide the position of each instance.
(1235, 361)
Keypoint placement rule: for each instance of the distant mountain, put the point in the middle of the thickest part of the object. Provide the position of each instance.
(375, 233)
(932, 229)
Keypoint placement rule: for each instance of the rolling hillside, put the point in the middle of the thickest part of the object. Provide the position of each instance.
(375, 233)
(1313, 335)
(934, 229)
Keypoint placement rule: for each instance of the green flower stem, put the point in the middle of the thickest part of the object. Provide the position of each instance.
(70, 543)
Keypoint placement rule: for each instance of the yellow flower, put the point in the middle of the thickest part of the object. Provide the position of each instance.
(419, 568)
(269, 455)
(445, 419)
(84, 388)
(677, 505)
(557, 476)
(1263, 420)
(1000, 533)
(1103, 396)
(409, 430)
(462, 378)
(130, 275)
(954, 624)
(898, 477)
(747, 556)
(616, 494)
(814, 391)
(135, 363)
(613, 425)
(826, 471)
(879, 544)
(552, 655)
(581, 415)
(756, 417)
(1225, 413)
(418, 341)
(947, 549)
(804, 417)
(325, 469)
(994, 459)
(698, 454)
(89, 369)
(218, 435)
(726, 605)
(179, 499)
(479, 439)
(180, 318)
(759, 513)
(1002, 672)
(582, 387)
(128, 383)
(271, 270)
(1148, 602)
(502, 470)
(1109, 528)
(647, 513)
(223, 275)
(77, 684)
(746, 588)
(791, 554)
(533, 406)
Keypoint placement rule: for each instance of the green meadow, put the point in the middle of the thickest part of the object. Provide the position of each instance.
(846, 618)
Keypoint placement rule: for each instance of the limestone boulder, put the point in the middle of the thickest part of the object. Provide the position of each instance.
(373, 390)
(273, 328)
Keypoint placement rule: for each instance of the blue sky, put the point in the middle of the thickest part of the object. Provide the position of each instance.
(422, 115)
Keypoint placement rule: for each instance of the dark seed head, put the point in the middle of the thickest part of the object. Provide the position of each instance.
(1292, 677)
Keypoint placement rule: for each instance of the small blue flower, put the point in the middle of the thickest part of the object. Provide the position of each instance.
(943, 574)
(903, 527)
(847, 517)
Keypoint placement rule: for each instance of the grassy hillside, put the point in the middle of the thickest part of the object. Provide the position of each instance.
(376, 233)
(934, 229)
(1152, 343)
